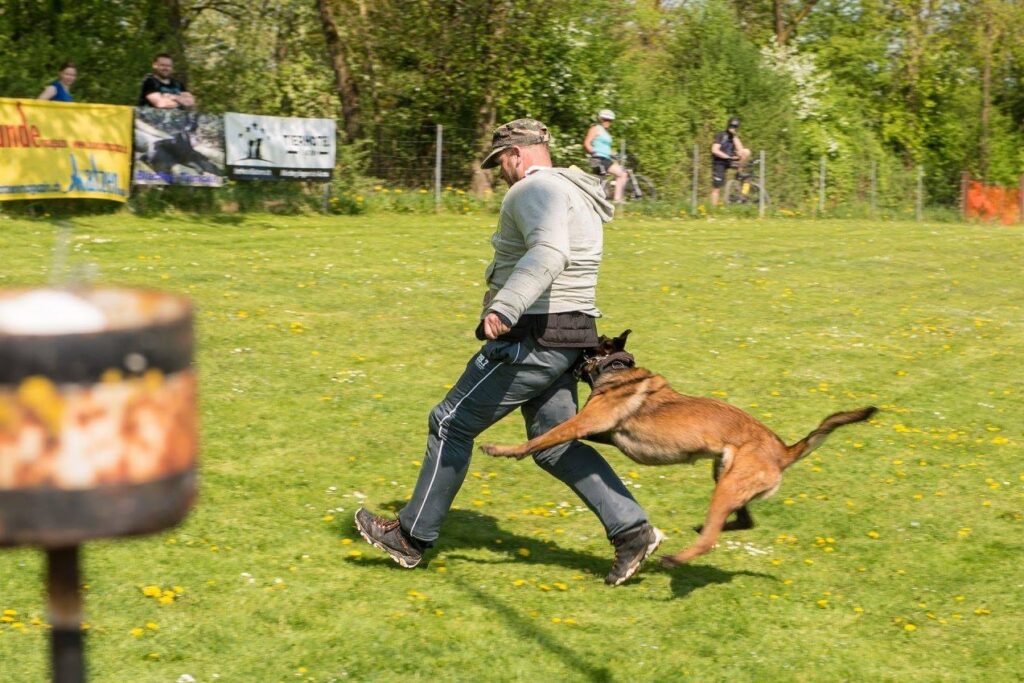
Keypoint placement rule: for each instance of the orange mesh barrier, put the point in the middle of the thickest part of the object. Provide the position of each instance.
(993, 203)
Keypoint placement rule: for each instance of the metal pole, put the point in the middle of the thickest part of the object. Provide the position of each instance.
(919, 199)
(65, 615)
(327, 197)
(696, 169)
(438, 148)
(965, 183)
(1020, 199)
(760, 190)
(874, 188)
(821, 186)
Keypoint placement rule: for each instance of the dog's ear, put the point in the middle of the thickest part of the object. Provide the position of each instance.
(620, 341)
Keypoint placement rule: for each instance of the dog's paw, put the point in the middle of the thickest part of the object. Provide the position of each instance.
(500, 451)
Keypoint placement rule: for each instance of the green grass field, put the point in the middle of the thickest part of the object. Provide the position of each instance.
(892, 553)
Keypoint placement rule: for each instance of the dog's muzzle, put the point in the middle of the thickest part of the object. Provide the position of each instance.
(593, 368)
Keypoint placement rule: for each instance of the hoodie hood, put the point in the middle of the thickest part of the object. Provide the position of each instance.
(591, 186)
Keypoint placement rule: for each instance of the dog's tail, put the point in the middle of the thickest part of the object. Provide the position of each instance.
(804, 446)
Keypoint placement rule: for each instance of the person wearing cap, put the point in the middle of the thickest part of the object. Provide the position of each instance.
(598, 144)
(726, 151)
(538, 316)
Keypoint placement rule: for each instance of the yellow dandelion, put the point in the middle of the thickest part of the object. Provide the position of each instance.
(909, 627)
(873, 534)
(523, 552)
(355, 553)
(136, 632)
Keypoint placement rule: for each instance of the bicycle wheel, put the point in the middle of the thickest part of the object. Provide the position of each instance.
(638, 188)
(734, 192)
(641, 190)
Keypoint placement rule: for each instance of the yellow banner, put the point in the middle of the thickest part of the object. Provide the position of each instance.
(64, 150)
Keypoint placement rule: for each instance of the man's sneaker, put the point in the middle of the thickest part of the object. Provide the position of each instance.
(631, 549)
(387, 535)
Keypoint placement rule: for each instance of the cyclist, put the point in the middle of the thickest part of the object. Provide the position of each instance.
(598, 144)
(726, 152)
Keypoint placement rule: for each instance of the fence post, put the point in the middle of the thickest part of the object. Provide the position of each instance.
(696, 169)
(760, 189)
(821, 186)
(438, 147)
(874, 188)
(965, 182)
(919, 199)
(1020, 199)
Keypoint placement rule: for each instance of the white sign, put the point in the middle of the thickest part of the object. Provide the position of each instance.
(276, 147)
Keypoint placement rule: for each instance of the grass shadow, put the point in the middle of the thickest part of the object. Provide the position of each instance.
(466, 529)
(469, 529)
(530, 630)
(688, 578)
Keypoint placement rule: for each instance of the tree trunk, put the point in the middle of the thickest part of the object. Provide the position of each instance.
(480, 183)
(986, 93)
(344, 83)
(780, 26)
(176, 26)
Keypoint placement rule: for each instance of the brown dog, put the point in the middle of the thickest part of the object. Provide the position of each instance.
(636, 411)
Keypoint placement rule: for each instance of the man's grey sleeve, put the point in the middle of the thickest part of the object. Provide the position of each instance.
(542, 215)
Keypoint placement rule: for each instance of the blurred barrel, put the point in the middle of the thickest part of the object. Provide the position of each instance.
(98, 431)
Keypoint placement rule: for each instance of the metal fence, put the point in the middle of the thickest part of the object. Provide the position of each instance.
(435, 157)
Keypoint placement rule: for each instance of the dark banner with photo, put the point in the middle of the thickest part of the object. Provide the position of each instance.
(279, 148)
(175, 147)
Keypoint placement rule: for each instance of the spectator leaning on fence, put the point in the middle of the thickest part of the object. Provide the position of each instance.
(726, 152)
(538, 316)
(60, 89)
(162, 91)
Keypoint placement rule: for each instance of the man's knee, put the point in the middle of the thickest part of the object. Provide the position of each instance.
(446, 422)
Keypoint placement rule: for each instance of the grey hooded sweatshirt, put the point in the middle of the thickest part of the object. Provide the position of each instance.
(548, 245)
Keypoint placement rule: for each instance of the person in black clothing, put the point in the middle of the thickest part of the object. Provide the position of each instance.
(726, 151)
(162, 91)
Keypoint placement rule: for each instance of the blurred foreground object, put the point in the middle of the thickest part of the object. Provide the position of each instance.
(98, 432)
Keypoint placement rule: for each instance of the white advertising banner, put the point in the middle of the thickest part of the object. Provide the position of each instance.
(279, 148)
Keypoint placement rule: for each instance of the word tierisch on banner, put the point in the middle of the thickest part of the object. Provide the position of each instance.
(175, 147)
(279, 148)
(56, 150)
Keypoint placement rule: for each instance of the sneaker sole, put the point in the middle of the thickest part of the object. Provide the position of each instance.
(659, 536)
(397, 558)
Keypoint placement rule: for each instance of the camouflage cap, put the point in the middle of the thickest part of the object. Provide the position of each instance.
(519, 132)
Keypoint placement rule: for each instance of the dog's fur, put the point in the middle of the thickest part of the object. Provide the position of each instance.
(636, 411)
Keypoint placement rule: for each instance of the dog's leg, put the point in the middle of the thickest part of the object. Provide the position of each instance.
(595, 418)
(743, 519)
(746, 480)
(723, 502)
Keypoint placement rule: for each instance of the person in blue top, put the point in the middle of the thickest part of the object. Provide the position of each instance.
(598, 144)
(60, 89)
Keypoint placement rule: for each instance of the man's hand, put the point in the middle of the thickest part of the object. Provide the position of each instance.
(494, 327)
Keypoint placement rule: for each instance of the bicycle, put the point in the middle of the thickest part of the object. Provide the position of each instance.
(743, 189)
(638, 187)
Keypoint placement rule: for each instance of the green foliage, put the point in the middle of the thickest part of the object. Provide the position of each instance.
(880, 84)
